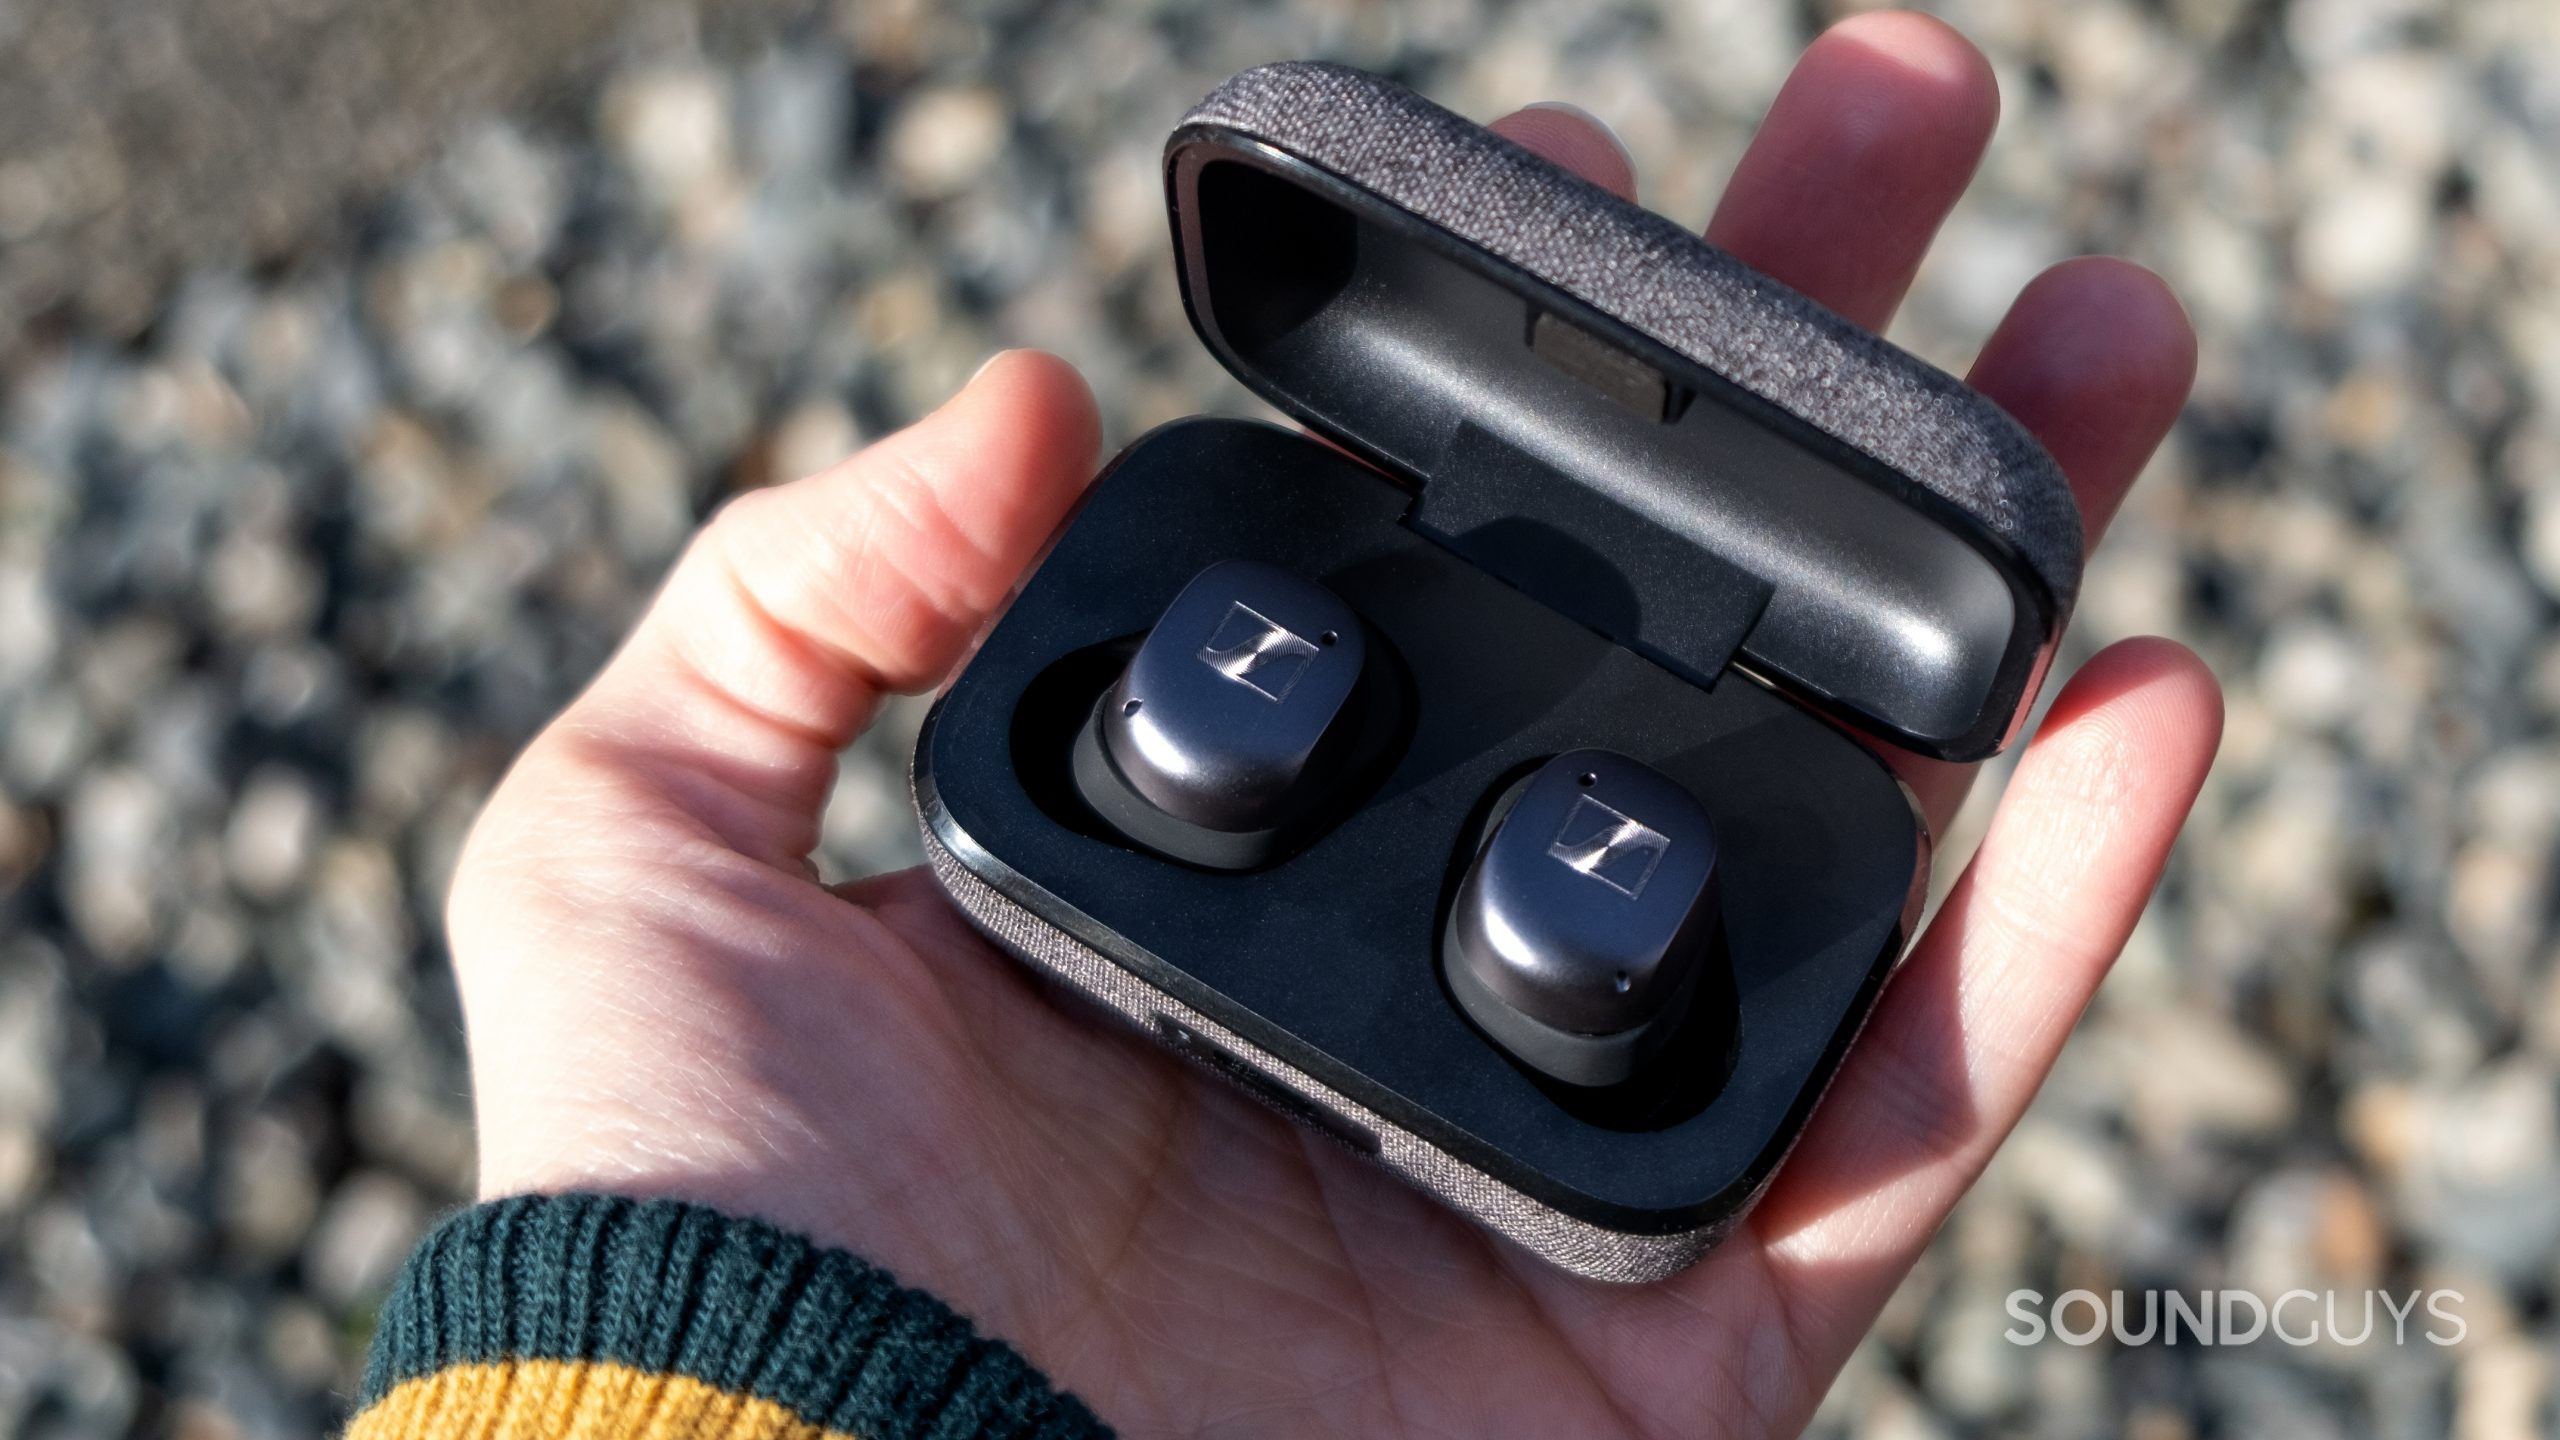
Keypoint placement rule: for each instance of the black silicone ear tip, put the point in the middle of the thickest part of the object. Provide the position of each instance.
(1579, 932)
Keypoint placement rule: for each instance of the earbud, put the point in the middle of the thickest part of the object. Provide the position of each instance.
(1246, 710)
(1582, 927)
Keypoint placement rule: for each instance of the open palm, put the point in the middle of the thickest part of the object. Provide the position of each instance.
(663, 1002)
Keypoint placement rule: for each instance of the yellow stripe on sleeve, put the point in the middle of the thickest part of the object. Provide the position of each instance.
(573, 1400)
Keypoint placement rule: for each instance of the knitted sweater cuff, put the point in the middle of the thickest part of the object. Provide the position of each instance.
(590, 1315)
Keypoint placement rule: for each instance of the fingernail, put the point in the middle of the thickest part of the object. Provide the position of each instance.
(984, 366)
(1626, 157)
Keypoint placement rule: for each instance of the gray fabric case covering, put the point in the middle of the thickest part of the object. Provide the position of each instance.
(1576, 1246)
(1656, 277)
(1651, 274)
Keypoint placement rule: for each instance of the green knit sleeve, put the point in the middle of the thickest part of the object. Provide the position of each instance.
(590, 1315)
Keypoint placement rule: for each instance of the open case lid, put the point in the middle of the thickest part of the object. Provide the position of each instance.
(1611, 414)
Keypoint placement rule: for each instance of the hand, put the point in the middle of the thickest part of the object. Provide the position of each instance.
(663, 1002)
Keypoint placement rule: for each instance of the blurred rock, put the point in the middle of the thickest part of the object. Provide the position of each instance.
(2501, 1391)
(116, 849)
(273, 827)
(370, 1223)
(2484, 1157)
(268, 1198)
(813, 437)
(2185, 1076)
(671, 129)
(943, 140)
(643, 477)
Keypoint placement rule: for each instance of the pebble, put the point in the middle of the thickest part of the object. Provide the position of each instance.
(814, 436)
(2306, 1228)
(2314, 676)
(31, 1037)
(349, 967)
(267, 1197)
(1974, 1371)
(2364, 238)
(371, 1221)
(672, 130)
(2484, 1157)
(2497, 906)
(2542, 535)
(2500, 1391)
(643, 477)
(116, 844)
(299, 1347)
(941, 141)
(23, 1153)
(273, 826)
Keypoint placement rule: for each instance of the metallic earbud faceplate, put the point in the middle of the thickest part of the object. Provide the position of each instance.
(1579, 931)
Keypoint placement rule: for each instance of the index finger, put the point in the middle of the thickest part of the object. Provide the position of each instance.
(1869, 144)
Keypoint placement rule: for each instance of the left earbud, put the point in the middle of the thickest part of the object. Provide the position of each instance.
(1247, 711)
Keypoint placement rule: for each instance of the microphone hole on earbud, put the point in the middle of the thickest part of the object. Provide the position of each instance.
(1587, 779)
(1132, 708)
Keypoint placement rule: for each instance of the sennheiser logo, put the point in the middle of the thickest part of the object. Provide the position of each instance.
(1257, 652)
(1610, 846)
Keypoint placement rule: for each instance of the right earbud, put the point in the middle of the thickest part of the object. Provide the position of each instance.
(1583, 926)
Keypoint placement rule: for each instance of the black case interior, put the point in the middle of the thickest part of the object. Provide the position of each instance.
(1615, 479)
(1328, 959)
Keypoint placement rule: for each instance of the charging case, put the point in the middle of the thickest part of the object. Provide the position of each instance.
(1593, 483)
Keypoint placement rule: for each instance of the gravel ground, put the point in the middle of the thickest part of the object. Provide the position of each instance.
(313, 507)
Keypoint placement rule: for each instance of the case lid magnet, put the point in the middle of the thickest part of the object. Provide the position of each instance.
(1611, 414)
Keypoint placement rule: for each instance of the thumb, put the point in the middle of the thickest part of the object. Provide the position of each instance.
(798, 607)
